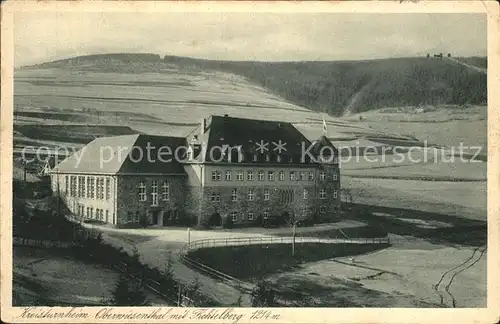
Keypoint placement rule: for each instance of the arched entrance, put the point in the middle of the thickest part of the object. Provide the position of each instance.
(215, 220)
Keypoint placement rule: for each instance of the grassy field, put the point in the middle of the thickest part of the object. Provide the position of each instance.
(338, 87)
(402, 275)
(256, 261)
(77, 283)
(172, 99)
(462, 199)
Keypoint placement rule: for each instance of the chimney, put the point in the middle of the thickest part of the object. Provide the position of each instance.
(203, 127)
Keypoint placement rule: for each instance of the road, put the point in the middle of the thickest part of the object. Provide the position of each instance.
(157, 245)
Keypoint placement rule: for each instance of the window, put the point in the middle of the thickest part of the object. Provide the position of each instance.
(251, 194)
(228, 176)
(91, 212)
(303, 176)
(334, 176)
(322, 209)
(270, 175)
(250, 216)
(165, 190)
(322, 176)
(322, 194)
(80, 184)
(234, 195)
(137, 217)
(108, 188)
(249, 175)
(261, 175)
(293, 176)
(255, 157)
(92, 187)
(130, 216)
(335, 194)
(215, 197)
(239, 175)
(88, 187)
(268, 158)
(282, 175)
(305, 194)
(234, 216)
(73, 186)
(107, 216)
(216, 175)
(266, 212)
(311, 176)
(290, 160)
(100, 188)
(266, 194)
(97, 187)
(66, 183)
(84, 180)
(154, 193)
(278, 158)
(88, 212)
(142, 191)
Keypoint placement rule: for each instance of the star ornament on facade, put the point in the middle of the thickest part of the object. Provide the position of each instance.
(262, 146)
(280, 146)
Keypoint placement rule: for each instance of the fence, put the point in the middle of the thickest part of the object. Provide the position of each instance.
(24, 241)
(244, 286)
(238, 241)
(183, 300)
(260, 240)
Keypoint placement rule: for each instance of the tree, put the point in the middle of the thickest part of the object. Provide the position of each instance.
(128, 293)
(168, 285)
(263, 295)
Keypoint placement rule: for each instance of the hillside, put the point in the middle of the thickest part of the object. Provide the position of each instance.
(335, 87)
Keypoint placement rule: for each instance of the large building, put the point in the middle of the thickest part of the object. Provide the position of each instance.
(226, 167)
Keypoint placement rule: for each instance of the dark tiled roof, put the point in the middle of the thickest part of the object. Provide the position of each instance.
(122, 154)
(248, 133)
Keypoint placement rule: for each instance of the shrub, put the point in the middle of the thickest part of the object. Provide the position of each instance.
(228, 222)
(263, 295)
(128, 293)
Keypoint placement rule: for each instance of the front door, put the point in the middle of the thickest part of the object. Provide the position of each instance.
(155, 217)
(160, 217)
(166, 217)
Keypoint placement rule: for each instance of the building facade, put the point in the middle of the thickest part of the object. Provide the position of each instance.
(227, 167)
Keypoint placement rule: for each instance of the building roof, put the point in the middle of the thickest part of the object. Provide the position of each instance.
(127, 154)
(247, 135)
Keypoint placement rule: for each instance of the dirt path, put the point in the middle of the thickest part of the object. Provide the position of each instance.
(442, 287)
(157, 253)
(158, 245)
(473, 67)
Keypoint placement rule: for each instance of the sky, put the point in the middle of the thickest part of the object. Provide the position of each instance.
(47, 36)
